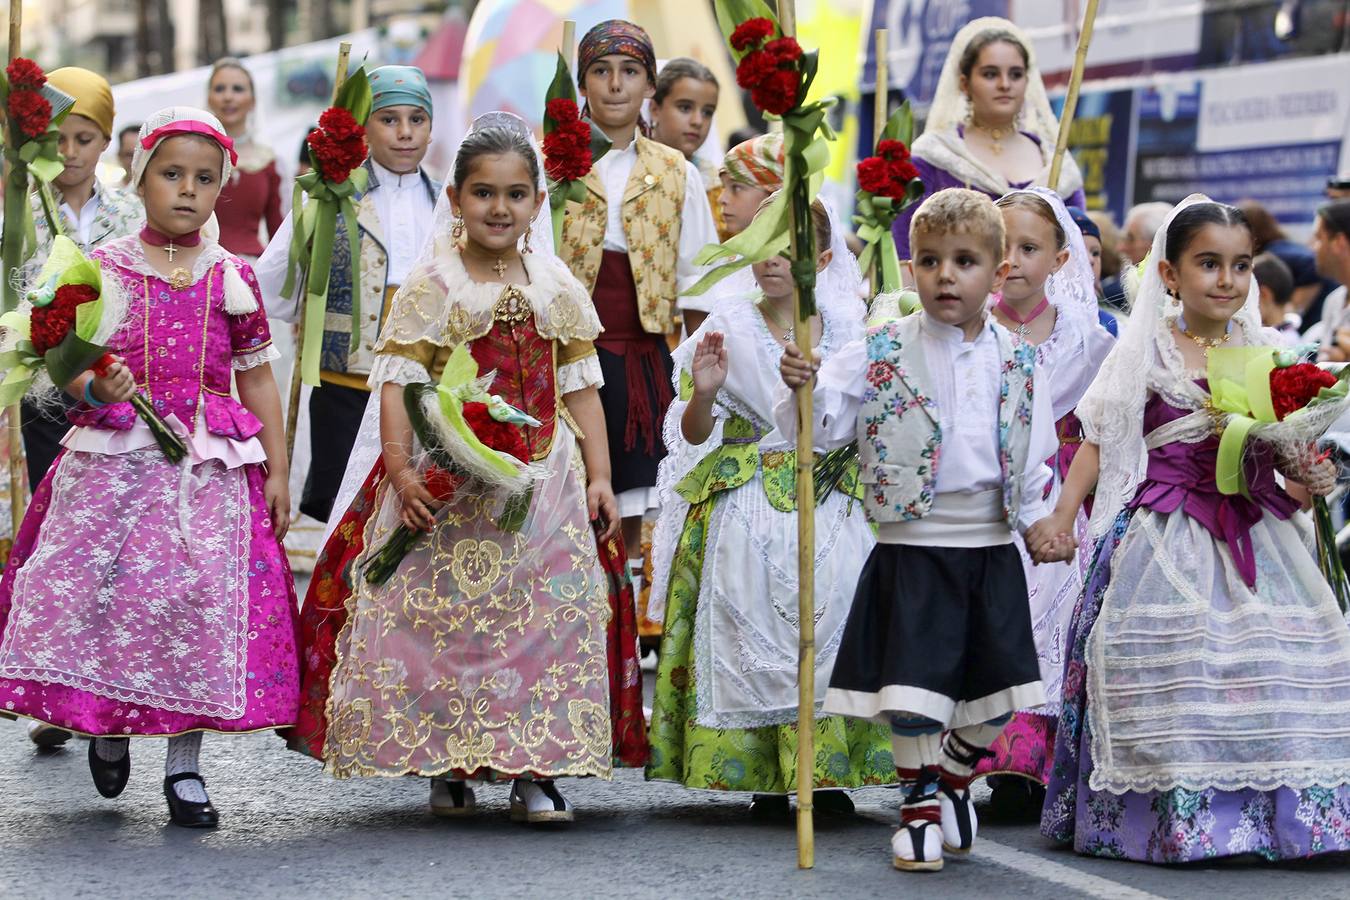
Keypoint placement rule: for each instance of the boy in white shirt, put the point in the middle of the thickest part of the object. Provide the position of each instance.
(952, 438)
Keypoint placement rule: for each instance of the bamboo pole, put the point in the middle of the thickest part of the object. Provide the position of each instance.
(880, 108)
(569, 41)
(293, 401)
(1071, 97)
(806, 540)
(18, 502)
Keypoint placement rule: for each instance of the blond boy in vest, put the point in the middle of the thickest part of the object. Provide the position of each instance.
(632, 243)
(951, 439)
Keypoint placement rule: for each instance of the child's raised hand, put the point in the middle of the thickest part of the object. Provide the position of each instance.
(417, 508)
(116, 385)
(709, 367)
(794, 368)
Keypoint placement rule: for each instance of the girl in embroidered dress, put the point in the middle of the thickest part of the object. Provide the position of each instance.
(484, 655)
(725, 712)
(1208, 681)
(147, 598)
(1049, 300)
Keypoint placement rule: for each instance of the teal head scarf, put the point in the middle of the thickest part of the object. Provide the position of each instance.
(399, 86)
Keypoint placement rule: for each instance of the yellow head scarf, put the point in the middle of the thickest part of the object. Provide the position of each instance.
(93, 96)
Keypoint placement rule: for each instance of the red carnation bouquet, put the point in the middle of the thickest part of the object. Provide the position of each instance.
(468, 435)
(571, 146)
(64, 334)
(770, 66)
(888, 182)
(34, 111)
(1268, 395)
(337, 148)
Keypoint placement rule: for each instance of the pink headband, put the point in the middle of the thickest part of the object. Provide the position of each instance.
(190, 126)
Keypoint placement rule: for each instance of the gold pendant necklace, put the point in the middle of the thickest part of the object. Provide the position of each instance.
(771, 315)
(996, 135)
(180, 279)
(1205, 343)
(499, 267)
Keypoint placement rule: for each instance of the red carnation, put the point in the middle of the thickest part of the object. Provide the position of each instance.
(754, 68)
(785, 50)
(562, 110)
(895, 151)
(1294, 387)
(31, 111)
(442, 483)
(49, 325)
(24, 74)
(567, 151)
(500, 436)
(751, 33)
(904, 171)
(338, 145)
(873, 175)
(778, 93)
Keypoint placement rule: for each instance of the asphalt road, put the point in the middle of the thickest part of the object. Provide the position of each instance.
(289, 830)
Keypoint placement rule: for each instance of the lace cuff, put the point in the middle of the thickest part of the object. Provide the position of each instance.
(390, 368)
(579, 375)
(244, 361)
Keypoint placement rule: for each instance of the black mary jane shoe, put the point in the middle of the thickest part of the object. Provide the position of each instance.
(186, 813)
(833, 802)
(110, 778)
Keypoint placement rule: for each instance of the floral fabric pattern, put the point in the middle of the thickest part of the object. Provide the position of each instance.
(849, 752)
(1177, 825)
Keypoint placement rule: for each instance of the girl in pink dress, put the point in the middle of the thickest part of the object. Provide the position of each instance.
(147, 598)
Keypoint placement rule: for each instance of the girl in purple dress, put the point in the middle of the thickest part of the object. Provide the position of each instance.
(990, 126)
(147, 598)
(1207, 683)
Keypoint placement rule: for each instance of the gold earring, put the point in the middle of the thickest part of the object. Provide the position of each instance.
(529, 230)
(457, 230)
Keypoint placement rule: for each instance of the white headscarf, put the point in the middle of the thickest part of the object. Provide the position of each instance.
(1079, 343)
(173, 121)
(940, 143)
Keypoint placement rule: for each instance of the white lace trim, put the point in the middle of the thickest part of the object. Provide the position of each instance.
(128, 253)
(242, 362)
(580, 374)
(392, 368)
(1196, 681)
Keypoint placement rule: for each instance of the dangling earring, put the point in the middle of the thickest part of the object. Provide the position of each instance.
(529, 231)
(457, 230)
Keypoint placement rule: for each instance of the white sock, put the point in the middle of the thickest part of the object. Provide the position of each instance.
(182, 757)
(112, 749)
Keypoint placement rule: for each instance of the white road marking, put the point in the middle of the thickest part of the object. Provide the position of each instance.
(1057, 873)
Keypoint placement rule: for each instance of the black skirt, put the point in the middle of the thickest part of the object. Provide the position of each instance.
(43, 428)
(635, 458)
(941, 632)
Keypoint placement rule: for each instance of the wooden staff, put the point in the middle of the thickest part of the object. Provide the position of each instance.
(806, 543)
(18, 503)
(1071, 98)
(569, 40)
(293, 404)
(880, 109)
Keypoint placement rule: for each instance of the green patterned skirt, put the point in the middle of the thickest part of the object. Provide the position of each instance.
(849, 752)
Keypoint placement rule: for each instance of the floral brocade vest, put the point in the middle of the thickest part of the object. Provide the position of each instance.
(899, 432)
(525, 367)
(652, 204)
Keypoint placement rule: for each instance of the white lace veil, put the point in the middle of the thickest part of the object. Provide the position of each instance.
(1079, 343)
(950, 105)
(540, 240)
(839, 291)
(1144, 360)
